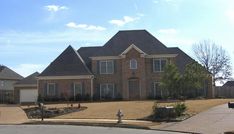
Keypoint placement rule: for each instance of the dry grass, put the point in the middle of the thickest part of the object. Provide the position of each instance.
(134, 109)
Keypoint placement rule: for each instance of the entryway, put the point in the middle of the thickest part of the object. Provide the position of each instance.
(134, 89)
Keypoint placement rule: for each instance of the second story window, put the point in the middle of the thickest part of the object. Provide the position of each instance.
(2, 83)
(106, 67)
(133, 64)
(159, 65)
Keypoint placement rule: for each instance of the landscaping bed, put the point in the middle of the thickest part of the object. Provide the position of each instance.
(49, 112)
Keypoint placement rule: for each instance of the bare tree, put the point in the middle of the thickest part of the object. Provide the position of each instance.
(214, 58)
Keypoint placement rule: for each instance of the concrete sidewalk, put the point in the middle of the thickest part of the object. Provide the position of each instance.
(216, 120)
(12, 114)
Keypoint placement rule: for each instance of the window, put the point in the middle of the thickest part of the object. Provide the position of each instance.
(133, 64)
(159, 65)
(106, 67)
(107, 91)
(157, 90)
(77, 90)
(2, 83)
(51, 89)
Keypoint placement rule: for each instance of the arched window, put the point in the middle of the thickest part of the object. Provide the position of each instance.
(133, 64)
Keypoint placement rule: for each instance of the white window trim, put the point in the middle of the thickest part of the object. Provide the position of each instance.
(47, 91)
(106, 66)
(113, 95)
(131, 67)
(155, 89)
(74, 89)
(160, 66)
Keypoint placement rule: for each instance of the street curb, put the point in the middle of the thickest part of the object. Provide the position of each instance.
(86, 124)
(100, 125)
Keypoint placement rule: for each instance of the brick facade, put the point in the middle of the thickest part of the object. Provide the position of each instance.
(122, 74)
(64, 87)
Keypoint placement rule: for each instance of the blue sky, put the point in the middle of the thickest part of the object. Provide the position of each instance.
(33, 33)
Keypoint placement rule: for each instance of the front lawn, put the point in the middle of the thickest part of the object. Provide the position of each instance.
(133, 109)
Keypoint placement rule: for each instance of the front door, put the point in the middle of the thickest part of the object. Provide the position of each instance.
(134, 89)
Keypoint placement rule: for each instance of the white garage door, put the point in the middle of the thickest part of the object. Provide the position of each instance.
(28, 95)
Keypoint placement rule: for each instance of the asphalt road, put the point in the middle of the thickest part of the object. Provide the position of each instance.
(215, 120)
(67, 129)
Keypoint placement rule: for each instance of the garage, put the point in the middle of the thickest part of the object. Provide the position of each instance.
(25, 91)
(28, 95)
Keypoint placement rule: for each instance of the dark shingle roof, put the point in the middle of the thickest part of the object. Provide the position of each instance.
(7, 73)
(140, 38)
(182, 59)
(229, 84)
(69, 62)
(86, 52)
(31, 79)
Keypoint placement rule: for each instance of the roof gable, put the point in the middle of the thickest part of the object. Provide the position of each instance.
(140, 38)
(7, 73)
(132, 47)
(229, 84)
(31, 79)
(68, 63)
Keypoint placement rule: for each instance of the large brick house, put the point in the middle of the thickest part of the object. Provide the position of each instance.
(128, 66)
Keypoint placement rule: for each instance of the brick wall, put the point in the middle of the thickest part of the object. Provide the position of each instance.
(138, 73)
(114, 78)
(64, 87)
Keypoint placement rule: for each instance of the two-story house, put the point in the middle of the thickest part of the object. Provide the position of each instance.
(128, 66)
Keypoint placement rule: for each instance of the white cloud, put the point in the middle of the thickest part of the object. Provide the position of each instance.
(85, 26)
(156, 1)
(125, 20)
(168, 31)
(27, 69)
(55, 8)
(230, 15)
(140, 14)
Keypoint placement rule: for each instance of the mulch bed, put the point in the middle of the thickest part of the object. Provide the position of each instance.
(35, 112)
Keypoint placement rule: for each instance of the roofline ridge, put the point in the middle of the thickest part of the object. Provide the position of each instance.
(82, 60)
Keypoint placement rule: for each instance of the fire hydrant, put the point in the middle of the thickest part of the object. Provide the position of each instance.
(119, 115)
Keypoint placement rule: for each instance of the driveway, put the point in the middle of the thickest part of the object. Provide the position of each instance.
(12, 114)
(213, 121)
(67, 129)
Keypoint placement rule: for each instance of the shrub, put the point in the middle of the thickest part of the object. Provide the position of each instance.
(40, 99)
(180, 108)
(162, 113)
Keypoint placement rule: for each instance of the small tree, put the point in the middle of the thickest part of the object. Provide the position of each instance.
(171, 80)
(194, 77)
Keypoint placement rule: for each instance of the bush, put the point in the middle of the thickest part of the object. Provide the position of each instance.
(162, 113)
(40, 99)
(180, 108)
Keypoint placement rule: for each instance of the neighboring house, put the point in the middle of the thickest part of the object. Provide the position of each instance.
(225, 91)
(7, 80)
(26, 89)
(129, 66)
